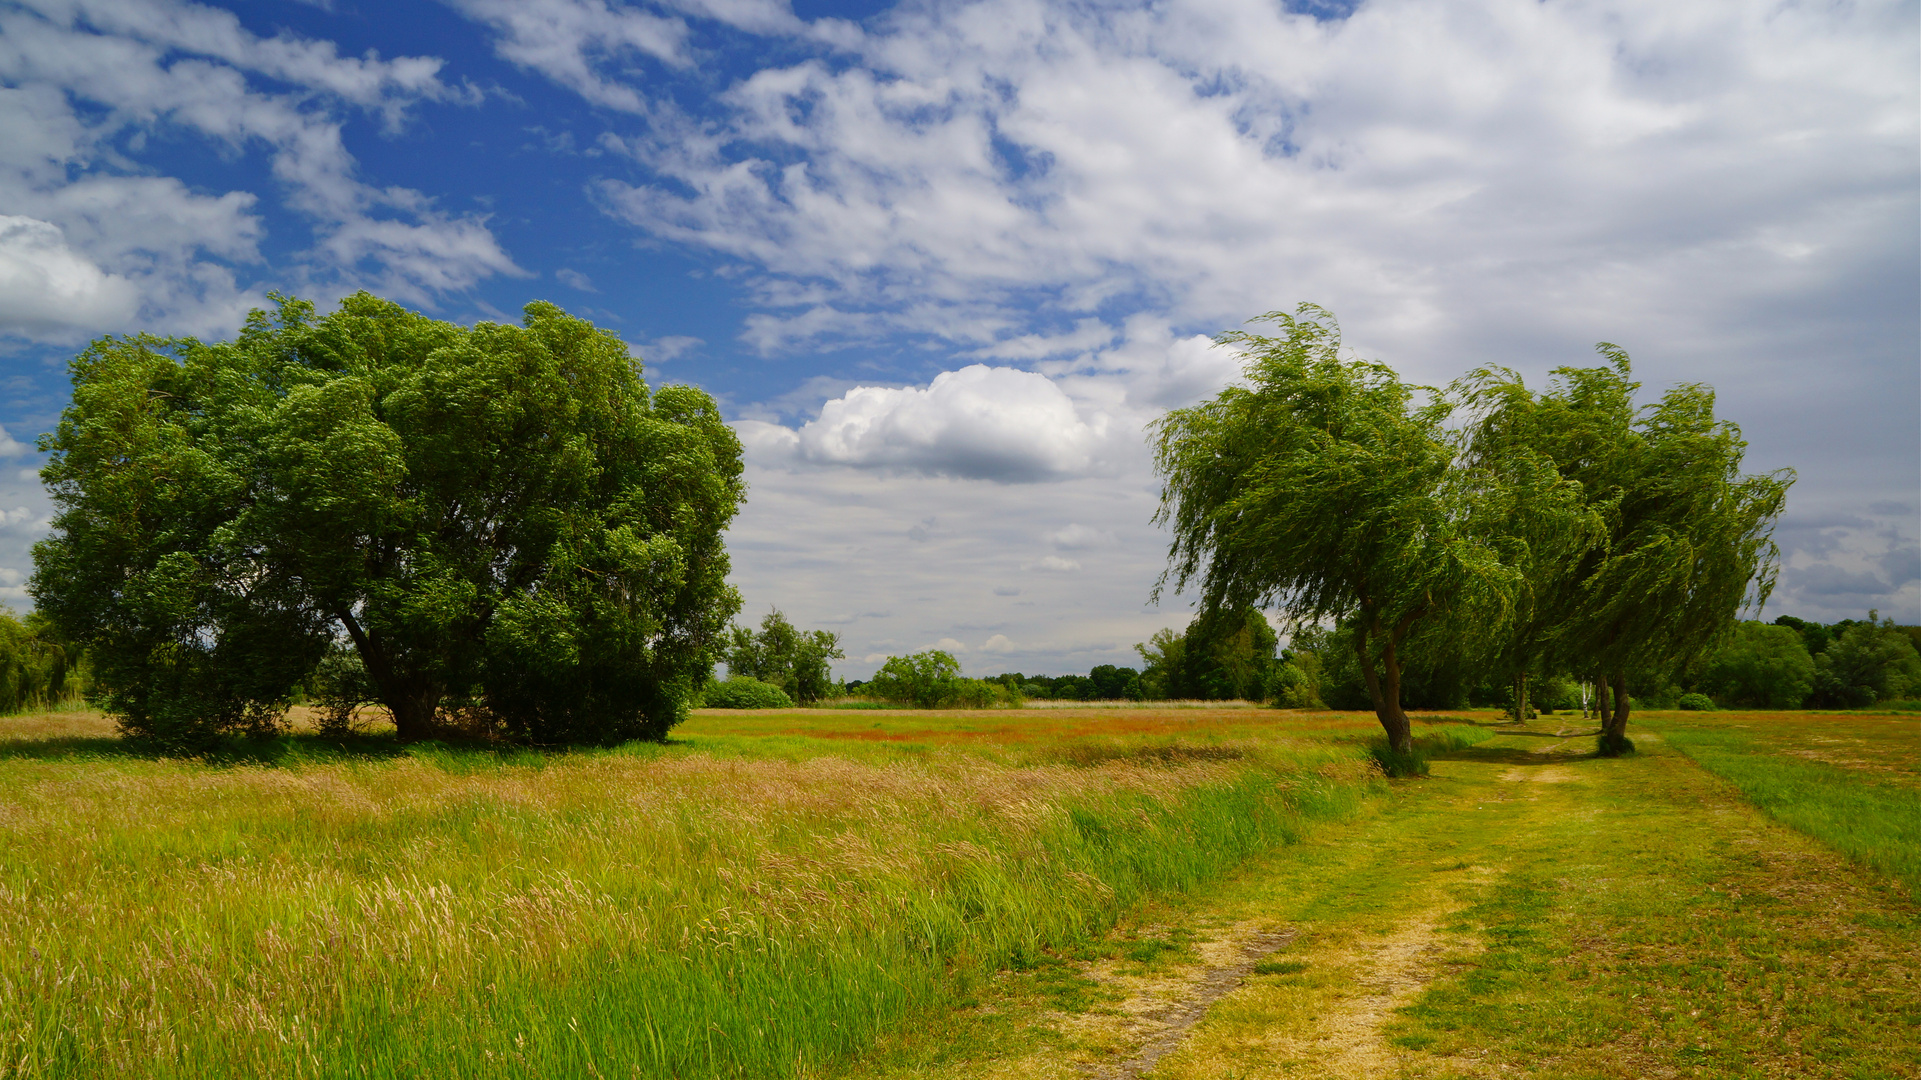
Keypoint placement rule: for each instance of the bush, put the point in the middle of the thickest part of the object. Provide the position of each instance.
(981, 694)
(1695, 703)
(1289, 686)
(745, 693)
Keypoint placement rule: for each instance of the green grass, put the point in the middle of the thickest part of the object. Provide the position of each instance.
(1843, 781)
(764, 897)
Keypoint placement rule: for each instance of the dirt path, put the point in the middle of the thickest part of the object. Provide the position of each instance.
(1624, 891)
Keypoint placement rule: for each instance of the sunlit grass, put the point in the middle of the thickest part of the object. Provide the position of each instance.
(762, 897)
(1851, 781)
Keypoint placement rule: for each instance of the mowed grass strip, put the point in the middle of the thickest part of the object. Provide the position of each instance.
(1851, 781)
(732, 905)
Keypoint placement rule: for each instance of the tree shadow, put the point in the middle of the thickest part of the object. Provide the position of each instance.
(279, 751)
(1509, 755)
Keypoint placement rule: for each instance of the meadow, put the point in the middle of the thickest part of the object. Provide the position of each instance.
(1001, 893)
(760, 897)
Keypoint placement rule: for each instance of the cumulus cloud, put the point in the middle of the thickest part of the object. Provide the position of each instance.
(46, 285)
(979, 422)
(12, 447)
(105, 244)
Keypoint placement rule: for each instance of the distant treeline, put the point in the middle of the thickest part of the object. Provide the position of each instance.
(1789, 663)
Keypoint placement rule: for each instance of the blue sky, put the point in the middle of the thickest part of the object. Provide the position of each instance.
(942, 261)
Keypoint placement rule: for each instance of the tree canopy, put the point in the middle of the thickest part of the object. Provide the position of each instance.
(1324, 488)
(502, 522)
(1564, 530)
(1683, 537)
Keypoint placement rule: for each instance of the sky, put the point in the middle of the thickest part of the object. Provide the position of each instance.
(941, 263)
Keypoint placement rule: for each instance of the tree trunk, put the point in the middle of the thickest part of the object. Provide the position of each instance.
(1616, 724)
(1601, 696)
(412, 698)
(1384, 689)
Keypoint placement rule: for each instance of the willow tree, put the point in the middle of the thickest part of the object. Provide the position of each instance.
(1324, 488)
(1684, 539)
(500, 521)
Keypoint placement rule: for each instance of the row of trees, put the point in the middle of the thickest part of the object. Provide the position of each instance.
(489, 527)
(1522, 532)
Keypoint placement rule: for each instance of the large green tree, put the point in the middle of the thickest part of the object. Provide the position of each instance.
(1323, 487)
(502, 521)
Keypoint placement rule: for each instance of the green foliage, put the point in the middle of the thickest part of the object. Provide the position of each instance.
(1695, 703)
(1289, 686)
(741, 692)
(1321, 487)
(1869, 661)
(798, 663)
(966, 693)
(502, 520)
(1162, 658)
(1814, 636)
(1761, 665)
(1398, 763)
(1674, 540)
(925, 680)
(35, 668)
(1107, 682)
(338, 686)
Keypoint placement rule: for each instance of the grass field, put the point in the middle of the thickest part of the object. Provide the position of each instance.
(1138, 892)
(764, 896)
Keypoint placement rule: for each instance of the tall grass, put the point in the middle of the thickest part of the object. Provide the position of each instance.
(640, 912)
(1873, 816)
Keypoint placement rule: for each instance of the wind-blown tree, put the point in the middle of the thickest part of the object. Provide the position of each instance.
(1545, 516)
(501, 520)
(800, 663)
(1323, 488)
(1690, 544)
(1684, 540)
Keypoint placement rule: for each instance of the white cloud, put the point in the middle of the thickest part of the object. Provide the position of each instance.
(666, 349)
(46, 285)
(998, 645)
(574, 279)
(1054, 564)
(569, 40)
(991, 423)
(1429, 172)
(950, 645)
(90, 80)
(12, 447)
(1078, 537)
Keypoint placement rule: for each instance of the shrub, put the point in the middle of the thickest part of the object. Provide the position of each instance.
(744, 693)
(1695, 703)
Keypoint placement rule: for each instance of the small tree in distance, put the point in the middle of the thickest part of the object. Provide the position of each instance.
(797, 662)
(925, 679)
